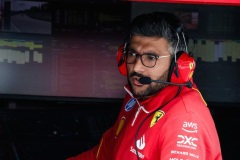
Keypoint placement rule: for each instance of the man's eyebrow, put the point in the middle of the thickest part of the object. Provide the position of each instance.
(148, 52)
(151, 53)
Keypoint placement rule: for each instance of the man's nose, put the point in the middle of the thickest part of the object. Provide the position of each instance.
(138, 65)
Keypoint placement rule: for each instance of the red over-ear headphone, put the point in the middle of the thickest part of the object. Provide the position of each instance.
(121, 59)
(181, 69)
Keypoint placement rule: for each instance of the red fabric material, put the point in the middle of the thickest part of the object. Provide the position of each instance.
(186, 130)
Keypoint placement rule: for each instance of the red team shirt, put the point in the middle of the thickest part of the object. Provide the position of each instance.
(162, 127)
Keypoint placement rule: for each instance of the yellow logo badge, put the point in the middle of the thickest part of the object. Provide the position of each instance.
(120, 126)
(158, 115)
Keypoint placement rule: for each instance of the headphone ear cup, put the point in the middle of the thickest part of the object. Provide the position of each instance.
(182, 70)
(121, 60)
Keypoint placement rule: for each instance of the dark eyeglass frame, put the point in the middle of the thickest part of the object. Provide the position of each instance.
(156, 57)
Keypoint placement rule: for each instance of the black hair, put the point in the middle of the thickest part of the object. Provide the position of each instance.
(160, 24)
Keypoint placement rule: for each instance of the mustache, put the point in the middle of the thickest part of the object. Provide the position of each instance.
(136, 74)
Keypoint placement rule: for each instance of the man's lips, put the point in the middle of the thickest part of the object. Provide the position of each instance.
(135, 81)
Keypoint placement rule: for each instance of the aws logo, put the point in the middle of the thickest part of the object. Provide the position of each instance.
(190, 127)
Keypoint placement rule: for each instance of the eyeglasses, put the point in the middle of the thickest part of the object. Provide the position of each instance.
(148, 60)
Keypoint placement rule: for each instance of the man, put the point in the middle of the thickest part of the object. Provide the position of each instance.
(163, 116)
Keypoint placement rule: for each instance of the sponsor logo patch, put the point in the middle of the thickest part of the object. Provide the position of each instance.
(190, 127)
(158, 115)
(120, 126)
(130, 104)
(187, 142)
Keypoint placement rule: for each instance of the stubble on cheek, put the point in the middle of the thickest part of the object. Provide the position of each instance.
(145, 90)
(148, 89)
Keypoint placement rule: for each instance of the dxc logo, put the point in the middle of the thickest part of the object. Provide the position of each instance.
(187, 140)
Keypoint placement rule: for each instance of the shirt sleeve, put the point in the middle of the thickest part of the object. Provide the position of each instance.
(189, 137)
(87, 155)
(100, 150)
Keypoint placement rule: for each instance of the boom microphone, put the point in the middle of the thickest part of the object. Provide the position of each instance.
(148, 80)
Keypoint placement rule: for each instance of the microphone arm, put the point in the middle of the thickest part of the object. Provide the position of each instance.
(148, 80)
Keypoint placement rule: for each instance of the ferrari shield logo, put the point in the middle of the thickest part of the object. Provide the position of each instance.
(158, 115)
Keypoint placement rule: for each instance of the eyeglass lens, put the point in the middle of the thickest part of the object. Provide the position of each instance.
(147, 60)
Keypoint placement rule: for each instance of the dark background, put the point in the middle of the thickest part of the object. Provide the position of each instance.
(60, 88)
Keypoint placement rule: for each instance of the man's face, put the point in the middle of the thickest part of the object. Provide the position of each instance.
(153, 46)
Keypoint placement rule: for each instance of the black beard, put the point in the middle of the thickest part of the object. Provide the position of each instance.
(152, 88)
